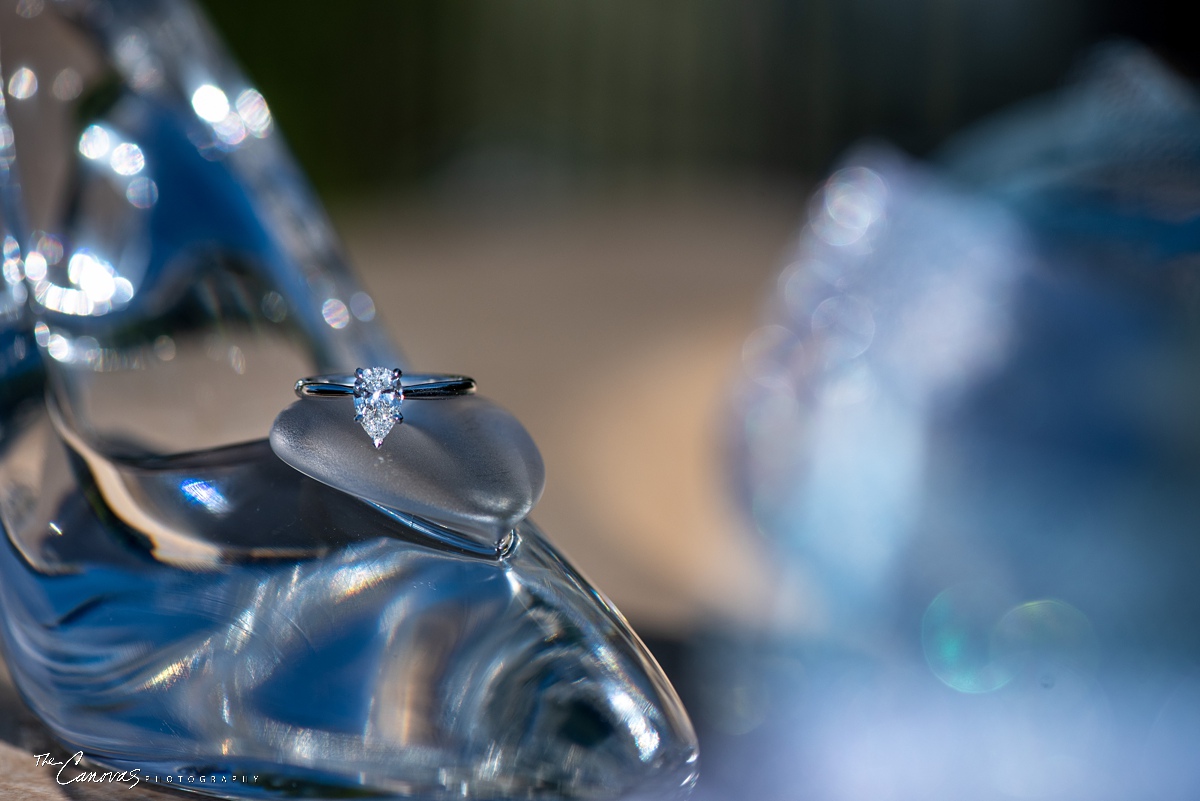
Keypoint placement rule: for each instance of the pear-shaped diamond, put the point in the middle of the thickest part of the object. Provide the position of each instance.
(377, 399)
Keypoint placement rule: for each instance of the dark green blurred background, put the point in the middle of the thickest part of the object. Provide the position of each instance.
(402, 95)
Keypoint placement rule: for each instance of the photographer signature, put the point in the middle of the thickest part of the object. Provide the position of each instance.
(130, 777)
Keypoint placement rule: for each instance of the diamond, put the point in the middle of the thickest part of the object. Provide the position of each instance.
(377, 399)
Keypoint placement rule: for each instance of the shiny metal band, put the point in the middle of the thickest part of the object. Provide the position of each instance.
(416, 386)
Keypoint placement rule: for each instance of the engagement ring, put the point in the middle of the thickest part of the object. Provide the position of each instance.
(378, 393)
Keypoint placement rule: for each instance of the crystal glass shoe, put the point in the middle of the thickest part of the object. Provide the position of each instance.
(176, 598)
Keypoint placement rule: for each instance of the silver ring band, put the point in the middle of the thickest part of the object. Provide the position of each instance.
(415, 386)
(379, 393)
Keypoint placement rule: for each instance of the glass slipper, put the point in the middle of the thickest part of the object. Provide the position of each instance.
(176, 598)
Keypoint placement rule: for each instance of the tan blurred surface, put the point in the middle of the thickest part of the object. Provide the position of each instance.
(611, 327)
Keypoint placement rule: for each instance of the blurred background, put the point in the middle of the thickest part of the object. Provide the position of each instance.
(425, 98)
(584, 205)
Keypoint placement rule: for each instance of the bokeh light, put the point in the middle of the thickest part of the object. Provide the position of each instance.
(142, 192)
(127, 159)
(957, 637)
(335, 313)
(23, 84)
(94, 142)
(210, 103)
(67, 84)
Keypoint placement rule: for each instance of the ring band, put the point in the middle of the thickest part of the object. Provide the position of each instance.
(379, 393)
(416, 386)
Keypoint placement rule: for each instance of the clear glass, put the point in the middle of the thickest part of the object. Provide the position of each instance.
(178, 600)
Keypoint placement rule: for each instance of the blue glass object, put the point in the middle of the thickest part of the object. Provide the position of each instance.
(175, 598)
(969, 431)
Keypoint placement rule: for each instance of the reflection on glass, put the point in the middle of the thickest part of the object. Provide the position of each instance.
(127, 159)
(23, 84)
(210, 103)
(845, 326)
(94, 142)
(164, 348)
(206, 494)
(67, 85)
(274, 307)
(234, 615)
(852, 202)
(35, 267)
(335, 313)
(142, 192)
(30, 8)
(362, 307)
(252, 108)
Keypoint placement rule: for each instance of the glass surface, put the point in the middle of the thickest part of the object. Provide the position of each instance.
(178, 600)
